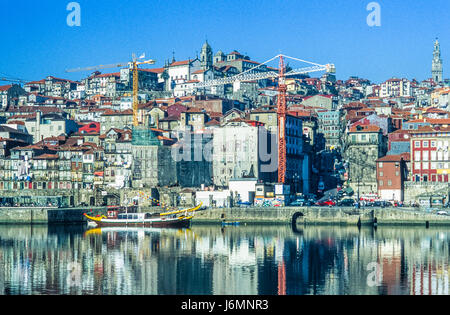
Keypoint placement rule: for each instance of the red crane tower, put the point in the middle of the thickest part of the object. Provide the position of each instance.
(281, 104)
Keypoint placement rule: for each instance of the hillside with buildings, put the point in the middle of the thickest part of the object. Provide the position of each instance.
(73, 142)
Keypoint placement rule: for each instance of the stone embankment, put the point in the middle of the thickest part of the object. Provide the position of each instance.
(46, 215)
(316, 215)
(312, 215)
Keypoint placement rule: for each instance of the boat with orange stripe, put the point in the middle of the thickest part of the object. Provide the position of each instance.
(177, 218)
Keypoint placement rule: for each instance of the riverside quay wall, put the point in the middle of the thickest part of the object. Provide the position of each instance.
(315, 215)
(46, 215)
(312, 215)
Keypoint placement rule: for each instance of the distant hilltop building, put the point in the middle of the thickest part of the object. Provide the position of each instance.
(437, 63)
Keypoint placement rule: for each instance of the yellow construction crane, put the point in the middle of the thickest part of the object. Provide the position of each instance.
(133, 65)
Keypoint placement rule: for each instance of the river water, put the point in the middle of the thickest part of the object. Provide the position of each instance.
(210, 260)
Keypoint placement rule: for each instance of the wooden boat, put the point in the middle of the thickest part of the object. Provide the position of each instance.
(178, 218)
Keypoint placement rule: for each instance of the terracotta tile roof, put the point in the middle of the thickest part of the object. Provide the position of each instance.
(181, 63)
(354, 105)
(365, 128)
(254, 123)
(29, 147)
(13, 140)
(16, 122)
(170, 118)
(59, 79)
(195, 110)
(111, 112)
(430, 129)
(154, 70)
(249, 61)
(396, 158)
(435, 110)
(439, 121)
(49, 139)
(89, 144)
(300, 113)
(212, 122)
(363, 110)
(148, 105)
(104, 75)
(400, 131)
(36, 82)
(215, 114)
(5, 87)
(34, 109)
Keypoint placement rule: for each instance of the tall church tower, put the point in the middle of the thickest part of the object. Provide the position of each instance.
(206, 56)
(436, 69)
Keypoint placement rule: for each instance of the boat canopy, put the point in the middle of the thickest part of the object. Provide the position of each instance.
(131, 216)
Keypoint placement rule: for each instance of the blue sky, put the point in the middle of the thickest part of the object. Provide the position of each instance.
(36, 40)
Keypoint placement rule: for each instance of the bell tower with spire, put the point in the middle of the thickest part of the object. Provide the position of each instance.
(436, 70)
(206, 56)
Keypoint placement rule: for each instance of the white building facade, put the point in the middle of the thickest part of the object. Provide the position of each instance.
(396, 88)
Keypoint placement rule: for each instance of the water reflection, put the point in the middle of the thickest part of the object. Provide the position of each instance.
(223, 261)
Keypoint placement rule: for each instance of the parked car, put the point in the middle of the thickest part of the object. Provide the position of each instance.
(346, 203)
(442, 212)
(327, 203)
(381, 204)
